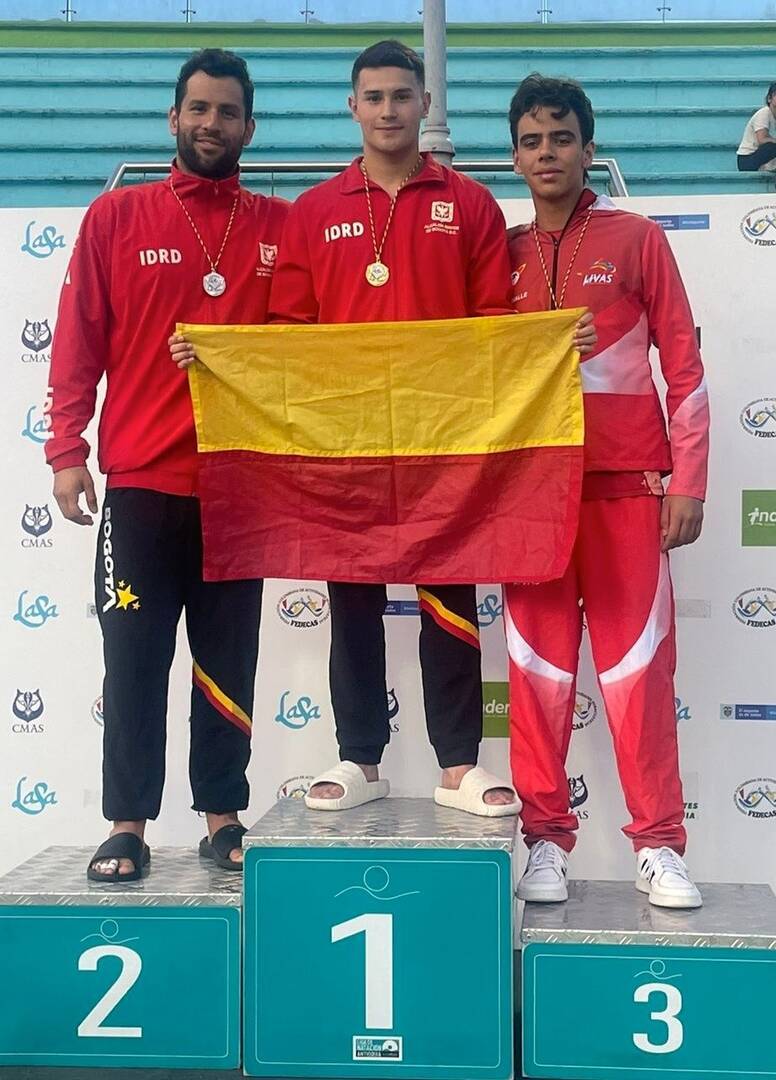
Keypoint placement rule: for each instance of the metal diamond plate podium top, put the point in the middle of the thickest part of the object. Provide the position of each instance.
(615, 913)
(385, 823)
(177, 878)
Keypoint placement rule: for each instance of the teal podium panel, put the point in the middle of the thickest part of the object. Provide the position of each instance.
(143, 974)
(378, 940)
(615, 987)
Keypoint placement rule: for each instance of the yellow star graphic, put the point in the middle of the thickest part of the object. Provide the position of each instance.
(126, 596)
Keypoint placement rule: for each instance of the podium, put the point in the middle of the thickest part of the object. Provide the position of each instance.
(614, 987)
(145, 973)
(378, 940)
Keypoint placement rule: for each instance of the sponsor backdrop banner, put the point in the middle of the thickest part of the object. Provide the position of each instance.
(50, 666)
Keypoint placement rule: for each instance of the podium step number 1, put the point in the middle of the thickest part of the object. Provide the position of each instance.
(363, 956)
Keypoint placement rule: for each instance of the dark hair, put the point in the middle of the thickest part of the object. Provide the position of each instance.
(389, 53)
(219, 64)
(771, 93)
(562, 96)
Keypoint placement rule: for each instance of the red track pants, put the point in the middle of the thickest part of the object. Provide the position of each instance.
(619, 577)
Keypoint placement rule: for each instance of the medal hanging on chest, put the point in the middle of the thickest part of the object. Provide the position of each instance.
(556, 302)
(213, 283)
(377, 273)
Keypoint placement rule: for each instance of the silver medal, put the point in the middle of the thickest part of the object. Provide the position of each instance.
(214, 284)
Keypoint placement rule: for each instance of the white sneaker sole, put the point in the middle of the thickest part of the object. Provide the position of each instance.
(542, 894)
(668, 900)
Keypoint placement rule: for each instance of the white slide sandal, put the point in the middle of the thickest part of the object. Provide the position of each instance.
(357, 789)
(470, 796)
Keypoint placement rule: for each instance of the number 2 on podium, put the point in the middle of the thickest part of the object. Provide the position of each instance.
(131, 965)
(668, 1016)
(378, 965)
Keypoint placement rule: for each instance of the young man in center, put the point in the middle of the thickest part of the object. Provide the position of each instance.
(584, 251)
(398, 237)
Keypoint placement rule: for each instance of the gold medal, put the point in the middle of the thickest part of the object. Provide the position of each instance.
(377, 273)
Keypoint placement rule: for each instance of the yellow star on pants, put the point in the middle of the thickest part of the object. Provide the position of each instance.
(126, 596)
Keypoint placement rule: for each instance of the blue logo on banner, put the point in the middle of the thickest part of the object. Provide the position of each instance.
(747, 712)
(393, 704)
(682, 711)
(35, 800)
(44, 243)
(35, 614)
(36, 430)
(490, 610)
(671, 222)
(402, 607)
(298, 715)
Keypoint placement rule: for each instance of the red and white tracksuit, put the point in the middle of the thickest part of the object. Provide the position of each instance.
(625, 273)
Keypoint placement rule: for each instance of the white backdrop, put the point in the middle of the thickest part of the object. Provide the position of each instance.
(50, 654)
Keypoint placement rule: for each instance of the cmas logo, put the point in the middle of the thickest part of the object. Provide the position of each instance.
(393, 710)
(759, 226)
(96, 711)
(303, 608)
(585, 711)
(27, 707)
(757, 798)
(758, 418)
(601, 272)
(578, 795)
(296, 715)
(295, 788)
(756, 607)
(36, 522)
(36, 339)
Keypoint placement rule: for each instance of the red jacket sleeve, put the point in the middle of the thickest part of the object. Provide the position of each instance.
(292, 298)
(487, 275)
(672, 330)
(81, 336)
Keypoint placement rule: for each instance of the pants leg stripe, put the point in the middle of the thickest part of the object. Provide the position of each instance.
(229, 709)
(448, 620)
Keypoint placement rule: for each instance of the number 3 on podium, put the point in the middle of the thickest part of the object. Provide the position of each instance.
(669, 1016)
(378, 965)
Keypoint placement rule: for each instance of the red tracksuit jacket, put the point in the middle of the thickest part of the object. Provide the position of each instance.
(445, 249)
(626, 274)
(136, 270)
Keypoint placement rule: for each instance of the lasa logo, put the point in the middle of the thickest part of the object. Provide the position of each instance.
(489, 610)
(36, 338)
(27, 707)
(578, 794)
(759, 226)
(303, 608)
(35, 800)
(34, 615)
(756, 607)
(44, 243)
(585, 711)
(757, 798)
(600, 273)
(682, 711)
(298, 715)
(295, 788)
(758, 418)
(36, 522)
(36, 428)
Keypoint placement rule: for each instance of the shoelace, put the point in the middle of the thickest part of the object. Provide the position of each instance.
(544, 854)
(668, 860)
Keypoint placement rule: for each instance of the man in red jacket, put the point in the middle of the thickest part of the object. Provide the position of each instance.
(398, 236)
(584, 251)
(196, 247)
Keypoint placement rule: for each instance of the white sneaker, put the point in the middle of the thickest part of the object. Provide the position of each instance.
(544, 880)
(662, 873)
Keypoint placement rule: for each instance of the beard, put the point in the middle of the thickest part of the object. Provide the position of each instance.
(214, 168)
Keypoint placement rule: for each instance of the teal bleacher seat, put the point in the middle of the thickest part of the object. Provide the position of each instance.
(671, 116)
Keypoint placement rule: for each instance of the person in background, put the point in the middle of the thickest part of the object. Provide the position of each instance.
(758, 145)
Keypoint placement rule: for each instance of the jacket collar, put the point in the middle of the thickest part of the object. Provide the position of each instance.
(189, 186)
(352, 179)
(585, 201)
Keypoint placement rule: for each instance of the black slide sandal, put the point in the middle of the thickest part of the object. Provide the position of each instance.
(123, 845)
(224, 840)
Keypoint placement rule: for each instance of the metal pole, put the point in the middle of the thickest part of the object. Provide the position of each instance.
(544, 12)
(68, 11)
(436, 134)
(188, 11)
